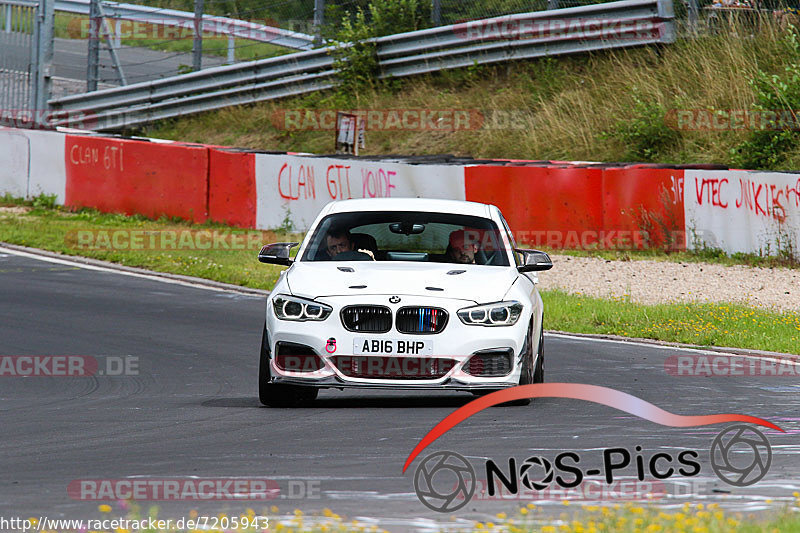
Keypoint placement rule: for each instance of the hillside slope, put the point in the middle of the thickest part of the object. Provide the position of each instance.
(617, 106)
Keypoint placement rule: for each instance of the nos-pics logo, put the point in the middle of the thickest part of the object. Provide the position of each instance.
(446, 481)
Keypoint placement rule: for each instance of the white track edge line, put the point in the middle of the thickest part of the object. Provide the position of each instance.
(114, 271)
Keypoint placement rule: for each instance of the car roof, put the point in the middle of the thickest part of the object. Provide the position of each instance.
(432, 205)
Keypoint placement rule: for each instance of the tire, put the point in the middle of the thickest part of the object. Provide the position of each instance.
(279, 395)
(538, 373)
(527, 374)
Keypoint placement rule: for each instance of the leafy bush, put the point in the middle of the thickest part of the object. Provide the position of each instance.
(355, 57)
(767, 146)
(47, 201)
(8, 199)
(645, 135)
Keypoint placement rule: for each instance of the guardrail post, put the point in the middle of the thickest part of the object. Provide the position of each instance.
(8, 18)
(436, 13)
(112, 48)
(197, 46)
(666, 12)
(231, 49)
(117, 33)
(319, 19)
(43, 61)
(694, 14)
(94, 46)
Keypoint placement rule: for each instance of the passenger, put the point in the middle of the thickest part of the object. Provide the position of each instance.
(462, 247)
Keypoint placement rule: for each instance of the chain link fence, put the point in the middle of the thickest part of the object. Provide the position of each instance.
(17, 24)
(158, 48)
(304, 15)
(25, 55)
(323, 19)
(318, 20)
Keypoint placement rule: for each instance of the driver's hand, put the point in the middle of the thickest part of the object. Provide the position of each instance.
(368, 252)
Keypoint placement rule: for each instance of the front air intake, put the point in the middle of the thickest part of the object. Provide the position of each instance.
(489, 364)
(291, 357)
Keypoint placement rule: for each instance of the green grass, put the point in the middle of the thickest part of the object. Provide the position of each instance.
(43, 226)
(708, 324)
(625, 518)
(55, 230)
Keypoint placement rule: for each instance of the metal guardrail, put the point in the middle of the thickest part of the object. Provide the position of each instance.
(562, 31)
(211, 23)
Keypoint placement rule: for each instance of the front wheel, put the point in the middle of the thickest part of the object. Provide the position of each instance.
(277, 394)
(527, 373)
(538, 374)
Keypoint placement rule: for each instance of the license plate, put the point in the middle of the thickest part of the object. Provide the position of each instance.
(365, 346)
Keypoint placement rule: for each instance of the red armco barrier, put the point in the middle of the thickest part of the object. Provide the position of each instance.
(124, 176)
(548, 203)
(232, 196)
(637, 199)
(573, 206)
(544, 205)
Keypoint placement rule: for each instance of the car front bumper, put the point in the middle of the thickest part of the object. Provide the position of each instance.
(457, 343)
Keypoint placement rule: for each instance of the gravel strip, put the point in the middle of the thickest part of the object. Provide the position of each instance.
(651, 282)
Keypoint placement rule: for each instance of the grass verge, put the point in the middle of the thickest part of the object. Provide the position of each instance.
(232, 259)
(221, 253)
(707, 324)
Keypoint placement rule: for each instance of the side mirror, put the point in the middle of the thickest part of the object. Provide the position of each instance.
(534, 261)
(277, 253)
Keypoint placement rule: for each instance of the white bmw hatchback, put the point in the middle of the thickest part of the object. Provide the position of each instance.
(402, 293)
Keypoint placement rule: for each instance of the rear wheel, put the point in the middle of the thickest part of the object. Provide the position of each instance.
(276, 394)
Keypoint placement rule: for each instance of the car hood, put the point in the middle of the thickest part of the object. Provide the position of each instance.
(475, 283)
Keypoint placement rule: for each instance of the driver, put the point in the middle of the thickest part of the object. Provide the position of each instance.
(338, 241)
(462, 247)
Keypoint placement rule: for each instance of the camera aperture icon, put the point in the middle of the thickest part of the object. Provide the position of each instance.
(445, 482)
(741, 455)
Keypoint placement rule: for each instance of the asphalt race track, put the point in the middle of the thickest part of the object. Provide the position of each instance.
(192, 410)
(138, 64)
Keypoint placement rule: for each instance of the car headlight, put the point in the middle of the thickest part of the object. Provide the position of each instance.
(496, 314)
(299, 309)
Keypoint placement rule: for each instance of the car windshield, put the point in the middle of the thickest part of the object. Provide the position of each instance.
(407, 236)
